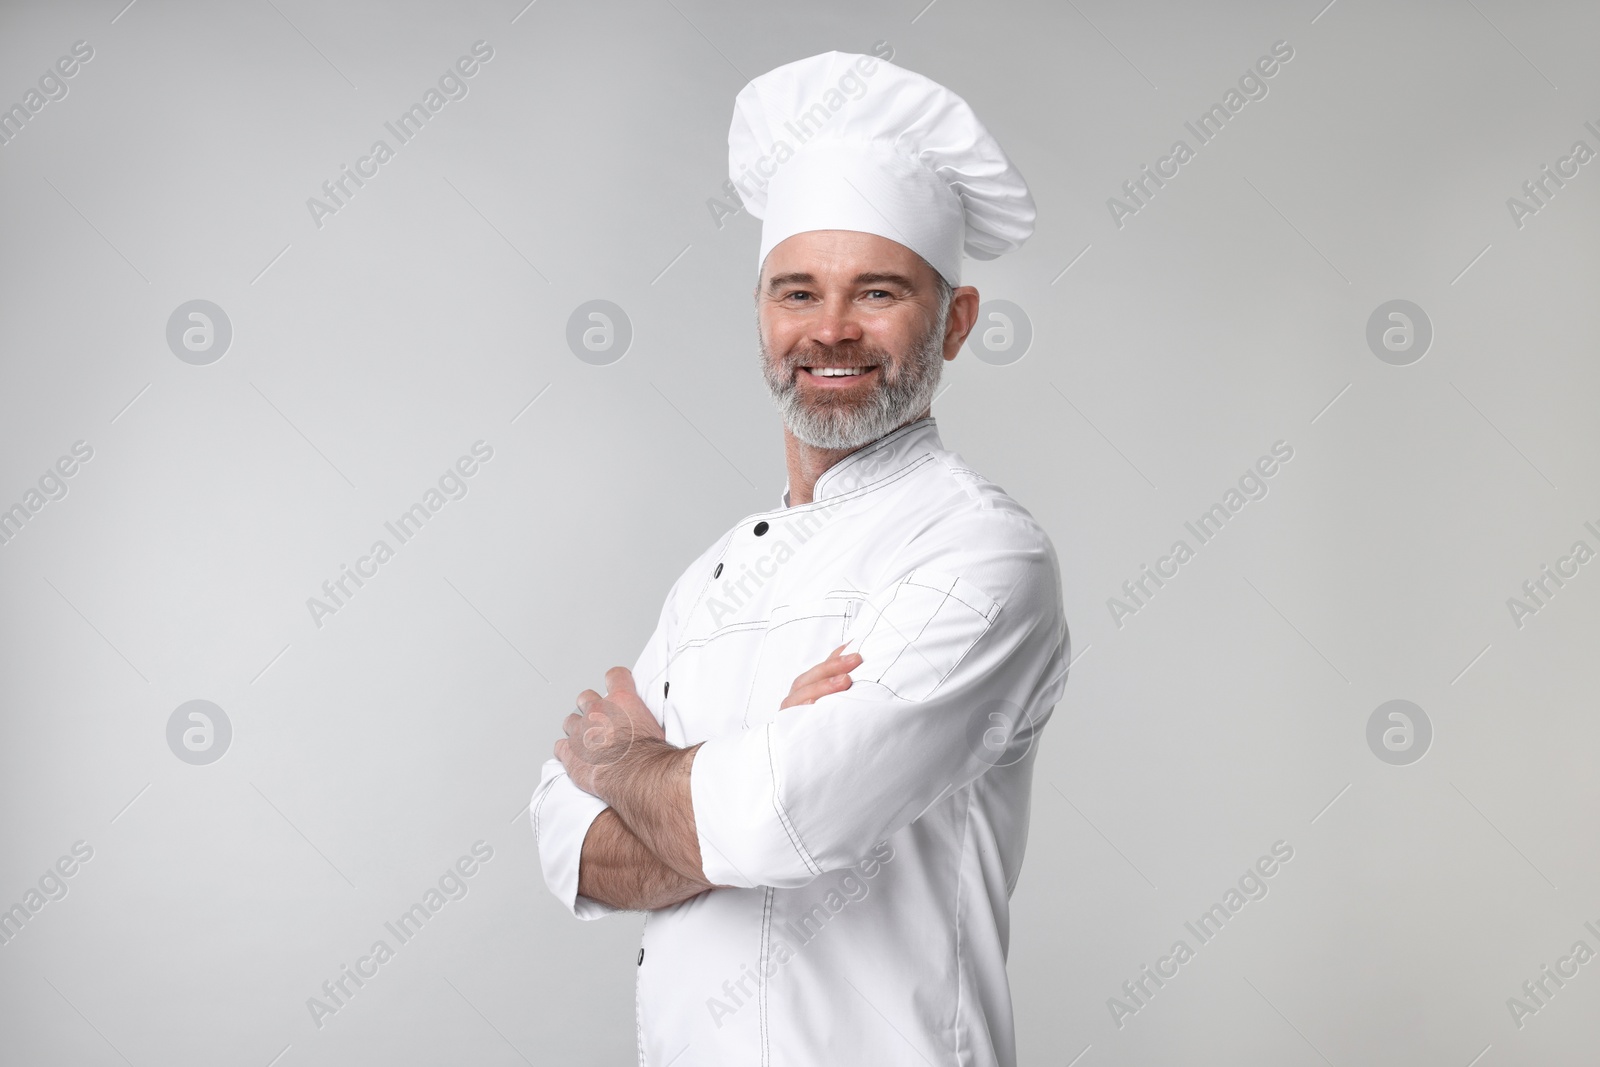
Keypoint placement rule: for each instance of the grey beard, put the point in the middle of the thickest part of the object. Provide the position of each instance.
(899, 398)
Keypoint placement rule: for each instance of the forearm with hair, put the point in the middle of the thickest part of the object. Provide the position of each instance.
(649, 789)
(617, 870)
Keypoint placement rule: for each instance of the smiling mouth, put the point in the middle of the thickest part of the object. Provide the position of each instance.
(842, 375)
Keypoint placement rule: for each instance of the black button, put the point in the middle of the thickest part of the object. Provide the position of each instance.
(761, 528)
(718, 572)
(641, 957)
(664, 691)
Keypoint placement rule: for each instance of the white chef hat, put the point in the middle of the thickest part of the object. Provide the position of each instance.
(851, 142)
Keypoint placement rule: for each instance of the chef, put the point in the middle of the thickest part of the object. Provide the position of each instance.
(815, 780)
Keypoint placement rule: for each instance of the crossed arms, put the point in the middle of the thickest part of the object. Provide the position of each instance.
(627, 820)
(642, 852)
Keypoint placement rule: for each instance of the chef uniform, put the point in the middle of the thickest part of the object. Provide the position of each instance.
(871, 840)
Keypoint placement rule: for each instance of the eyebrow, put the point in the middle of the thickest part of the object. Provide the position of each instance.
(778, 281)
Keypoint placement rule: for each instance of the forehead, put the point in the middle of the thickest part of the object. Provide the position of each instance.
(839, 255)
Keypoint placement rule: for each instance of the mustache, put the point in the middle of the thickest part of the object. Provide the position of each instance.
(820, 355)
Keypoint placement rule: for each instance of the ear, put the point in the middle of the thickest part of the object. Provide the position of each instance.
(963, 316)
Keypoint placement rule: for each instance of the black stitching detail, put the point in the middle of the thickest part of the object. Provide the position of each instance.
(985, 613)
(911, 641)
(783, 816)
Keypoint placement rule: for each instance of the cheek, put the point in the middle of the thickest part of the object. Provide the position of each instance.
(781, 337)
(775, 336)
(899, 342)
(890, 335)
(774, 348)
(784, 340)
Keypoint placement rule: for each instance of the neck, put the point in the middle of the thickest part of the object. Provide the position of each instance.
(807, 463)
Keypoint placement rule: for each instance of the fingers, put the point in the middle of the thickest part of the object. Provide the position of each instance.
(850, 660)
(834, 664)
(622, 691)
(577, 725)
(811, 692)
(832, 675)
(621, 716)
(620, 680)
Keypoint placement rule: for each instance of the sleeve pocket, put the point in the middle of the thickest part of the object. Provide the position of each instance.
(913, 634)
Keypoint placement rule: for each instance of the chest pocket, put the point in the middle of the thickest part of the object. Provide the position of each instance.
(798, 637)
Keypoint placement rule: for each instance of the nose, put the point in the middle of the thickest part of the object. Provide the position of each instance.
(835, 322)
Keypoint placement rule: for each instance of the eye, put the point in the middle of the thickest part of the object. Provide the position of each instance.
(880, 293)
(798, 296)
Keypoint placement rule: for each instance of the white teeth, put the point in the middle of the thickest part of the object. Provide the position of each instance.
(836, 372)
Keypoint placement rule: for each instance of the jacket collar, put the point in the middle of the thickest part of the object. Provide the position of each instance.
(887, 455)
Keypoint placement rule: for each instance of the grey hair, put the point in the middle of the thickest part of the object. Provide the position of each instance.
(945, 291)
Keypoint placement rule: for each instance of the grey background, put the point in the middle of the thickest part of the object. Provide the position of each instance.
(367, 355)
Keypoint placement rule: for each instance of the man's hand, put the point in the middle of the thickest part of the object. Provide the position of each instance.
(616, 750)
(604, 729)
(832, 675)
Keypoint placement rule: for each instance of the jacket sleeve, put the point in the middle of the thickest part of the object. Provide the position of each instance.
(562, 813)
(961, 667)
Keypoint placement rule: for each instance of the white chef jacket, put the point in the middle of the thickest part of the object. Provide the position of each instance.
(871, 839)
